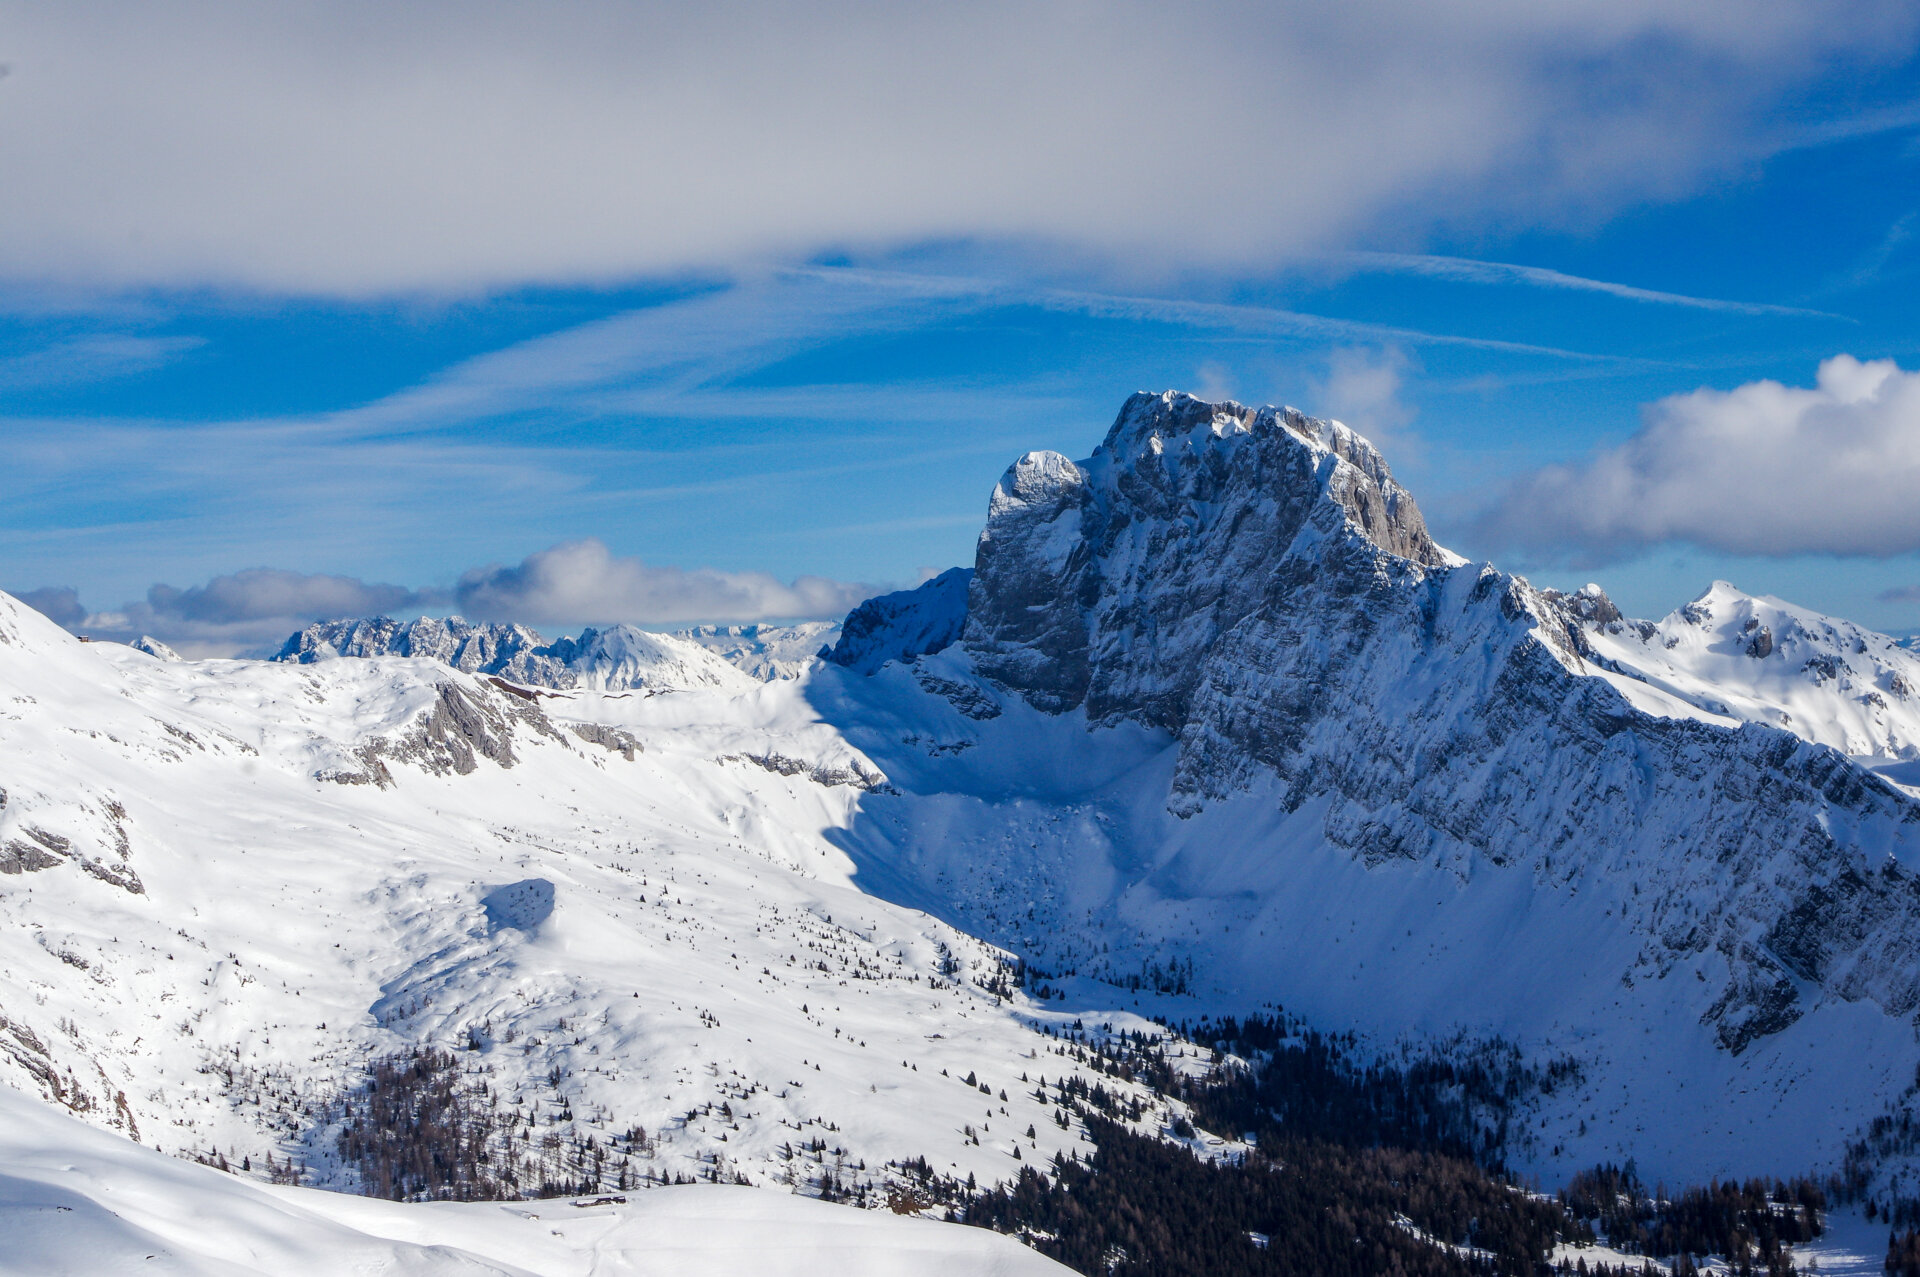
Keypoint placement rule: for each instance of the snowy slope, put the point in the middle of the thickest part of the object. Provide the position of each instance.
(1734, 657)
(227, 885)
(78, 1201)
(766, 651)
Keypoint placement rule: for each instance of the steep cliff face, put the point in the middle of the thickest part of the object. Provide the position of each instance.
(1256, 584)
(1105, 583)
(904, 624)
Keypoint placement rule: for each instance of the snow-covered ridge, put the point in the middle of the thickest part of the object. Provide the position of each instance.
(766, 652)
(905, 624)
(1736, 657)
(620, 658)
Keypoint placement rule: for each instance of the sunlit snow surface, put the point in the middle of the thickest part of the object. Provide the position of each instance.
(80, 1202)
(1730, 657)
(705, 941)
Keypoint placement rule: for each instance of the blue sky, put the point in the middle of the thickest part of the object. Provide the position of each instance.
(370, 335)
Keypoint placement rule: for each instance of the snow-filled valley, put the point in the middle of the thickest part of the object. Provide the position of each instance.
(1212, 727)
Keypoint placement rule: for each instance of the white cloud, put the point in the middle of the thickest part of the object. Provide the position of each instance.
(1362, 389)
(583, 582)
(364, 147)
(266, 593)
(90, 358)
(1762, 469)
(241, 611)
(1470, 271)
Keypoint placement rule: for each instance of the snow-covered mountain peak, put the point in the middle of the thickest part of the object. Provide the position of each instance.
(626, 657)
(1103, 583)
(1177, 431)
(154, 647)
(767, 652)
(1739, 657)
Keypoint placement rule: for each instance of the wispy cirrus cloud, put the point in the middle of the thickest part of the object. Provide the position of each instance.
(569, 585)
(1471, 271)
(88, 358)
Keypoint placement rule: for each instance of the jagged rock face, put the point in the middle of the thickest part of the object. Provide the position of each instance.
(1256, 584)
(1448, 723)
(1104, 583)
(904, 624)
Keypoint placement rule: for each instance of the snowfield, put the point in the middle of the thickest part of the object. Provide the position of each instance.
(77, 1202)
(1731, 657)
(271, 873)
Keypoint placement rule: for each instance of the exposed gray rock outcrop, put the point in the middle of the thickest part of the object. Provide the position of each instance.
(612, 739)
(1105, 583)
(463, 725)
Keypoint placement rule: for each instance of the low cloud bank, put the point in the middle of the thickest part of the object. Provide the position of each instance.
(576, 583)
(582, 581)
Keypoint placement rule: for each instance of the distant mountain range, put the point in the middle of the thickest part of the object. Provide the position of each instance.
(619, 658)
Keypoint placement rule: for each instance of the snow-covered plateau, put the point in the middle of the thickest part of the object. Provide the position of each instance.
(1211, 725)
